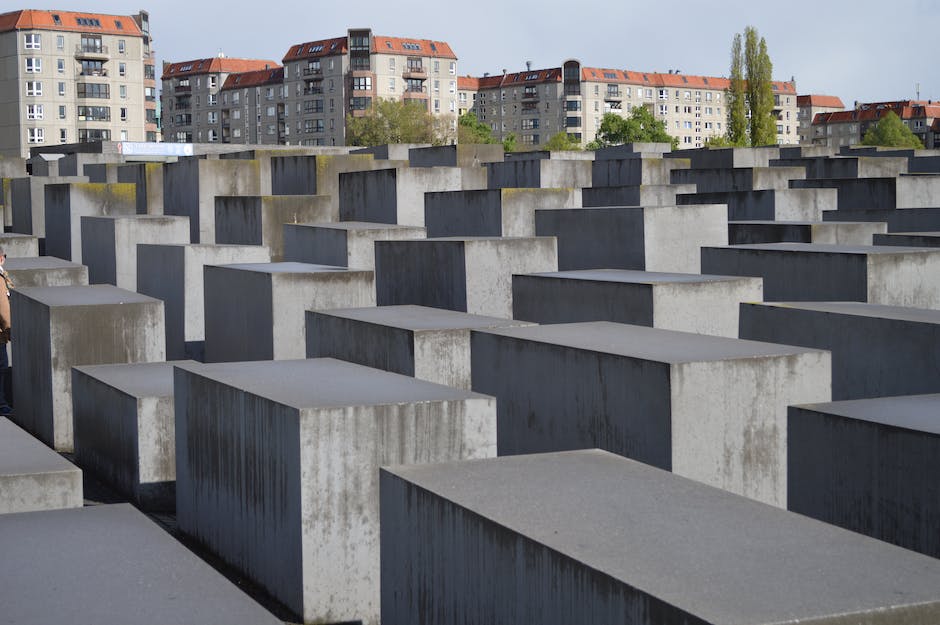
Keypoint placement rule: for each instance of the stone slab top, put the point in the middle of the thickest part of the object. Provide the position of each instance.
(829, 248)
(326, 383)
(203, 246)
(772, 222)
(643, 343)
(862, 309)
(718, 556)
(142, 379)
(361, 225)
(22, 454)
(632, 276)
(8, 236)
(90, 295)
(418, 318)
(920, 413)
(139, 218)
(288, 267)
(929, 234)
(506, 240)
(26, 263)
(110, 565)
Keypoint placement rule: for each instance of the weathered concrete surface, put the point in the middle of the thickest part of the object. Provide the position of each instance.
(59, 327)
(45, 271)
(907, 220)
(828, 232)
(124, 429)
(492, 212)
(342, 244)
(876, 350)
(294, 501)
(471, 275)
(111, 565)
(255, 311)
(671, 301)
(317, 174)
(109, 244)
(608, 172)
(638, 149)
(174, 274)
(909, 239)
(27, 203)
(870, 466)
(19, 245)
(705, 407)
(469, 155)
(588, 537)
(33, 477)
(259, 220)
(148, 178)
(427, 343)
(726, 158)
(191, 184)
(635, 195)
(738, 179)
(393, 196)
(769, 204)
(846, 166)
(67, 204)
(920, 191)
(896, 276)
(544, 174)
(650, 238)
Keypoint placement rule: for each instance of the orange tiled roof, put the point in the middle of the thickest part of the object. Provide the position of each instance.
(658, 80)
(530, 77)
(829, 101)
(411, 47)
(71, 21)
(468, 83)
(905, 109)
(254, 78)
(316, 49)
(215, 65)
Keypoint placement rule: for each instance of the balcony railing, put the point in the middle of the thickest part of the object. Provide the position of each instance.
(313, 91)
(532, 95)
(86, 50)
(313, 71)
(613, 95)
(94, 72)
(183, 88)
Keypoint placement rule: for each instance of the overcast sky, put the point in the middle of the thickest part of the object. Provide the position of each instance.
(864, 50)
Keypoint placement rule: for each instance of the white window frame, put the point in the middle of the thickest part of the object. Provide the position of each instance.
(34, 111)
(34, 88)
(35, 135)
(33, 65)
(32, 41)
(122, 46)
(122, 69)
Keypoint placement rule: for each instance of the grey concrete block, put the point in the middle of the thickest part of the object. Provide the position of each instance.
(19, 245)
(828, 232)
(148, 181)
(66, 204)
(27, 203)
(393, 196)
(342, 244)
(469, 155)
(588, 537)
(846, 166)
(726, 158)
(111, 565)
(174, 274)
(58, 327)
(259, 220)
(191, 184)
(738, 179)
(876, 350)
(635, 195)
(909, 239)
(540, 174)
(33, 477)
(705, 407)
(897, 276)
(293, 503)
(317, 174)
(471, 275)
(45, 271)
(124, 429)
(920, 191)
(672, 301)
(906, 220)
(109, 244)
(650, 238)
(255, 311)
(770, 204)
(608, 172)
(427, 343)
(492, 212)
(870, 466)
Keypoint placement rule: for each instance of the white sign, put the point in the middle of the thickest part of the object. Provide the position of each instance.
(131, 148)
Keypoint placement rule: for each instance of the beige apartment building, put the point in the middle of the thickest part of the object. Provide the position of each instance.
(809, 106)
(191, 98)
(841, 128)
(68, 77)
(536, 104)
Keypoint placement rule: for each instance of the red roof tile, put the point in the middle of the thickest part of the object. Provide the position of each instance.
(828, 101)
(905, 109)
(31, 19)
(530, 77)
(255, 78)
(215, 65)
(425, 47)
(658, 80)
(316, 49)
(468, 83)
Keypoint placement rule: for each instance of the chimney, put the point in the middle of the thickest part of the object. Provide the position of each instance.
(528, 66)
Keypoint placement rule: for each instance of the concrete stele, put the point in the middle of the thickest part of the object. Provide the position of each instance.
(33, 477)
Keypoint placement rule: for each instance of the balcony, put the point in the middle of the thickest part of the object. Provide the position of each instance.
(416, 93)
(313, 71)
(91, 52)
(418, 72)
(313, 91)
(613, 95)
(100, 73)
(183, 106)
(183, 89)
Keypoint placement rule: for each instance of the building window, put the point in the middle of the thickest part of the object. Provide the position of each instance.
(31, 41)
(34, 111)
(123, 114)
(362, 83)
(35, 135)
(122, 90)
(63, 135)
(391, 84)
(94, 114)
(33, 65)
(92, 90)
(663, 109)
(61, 111)
(437, 86)
(60, 65)
(122, 46)
(123, 135)
(61, 88)
(33, 88)
(122, 69)
(60, 42)
(453, 68)
(212, 100)
(212, 82)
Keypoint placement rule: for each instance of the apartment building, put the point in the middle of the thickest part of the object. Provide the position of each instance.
(808, 106)
(68, 77)
(253, 109)
(841, 128)
(191, 96)
(536, 104)
(328, 79)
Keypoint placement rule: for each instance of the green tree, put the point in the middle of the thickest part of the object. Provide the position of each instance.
(510, 143)
(736, 97)
(472, 130)
(561, 141)
(639, 127)
(395, 121)
(718, 141)
(890, 131)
